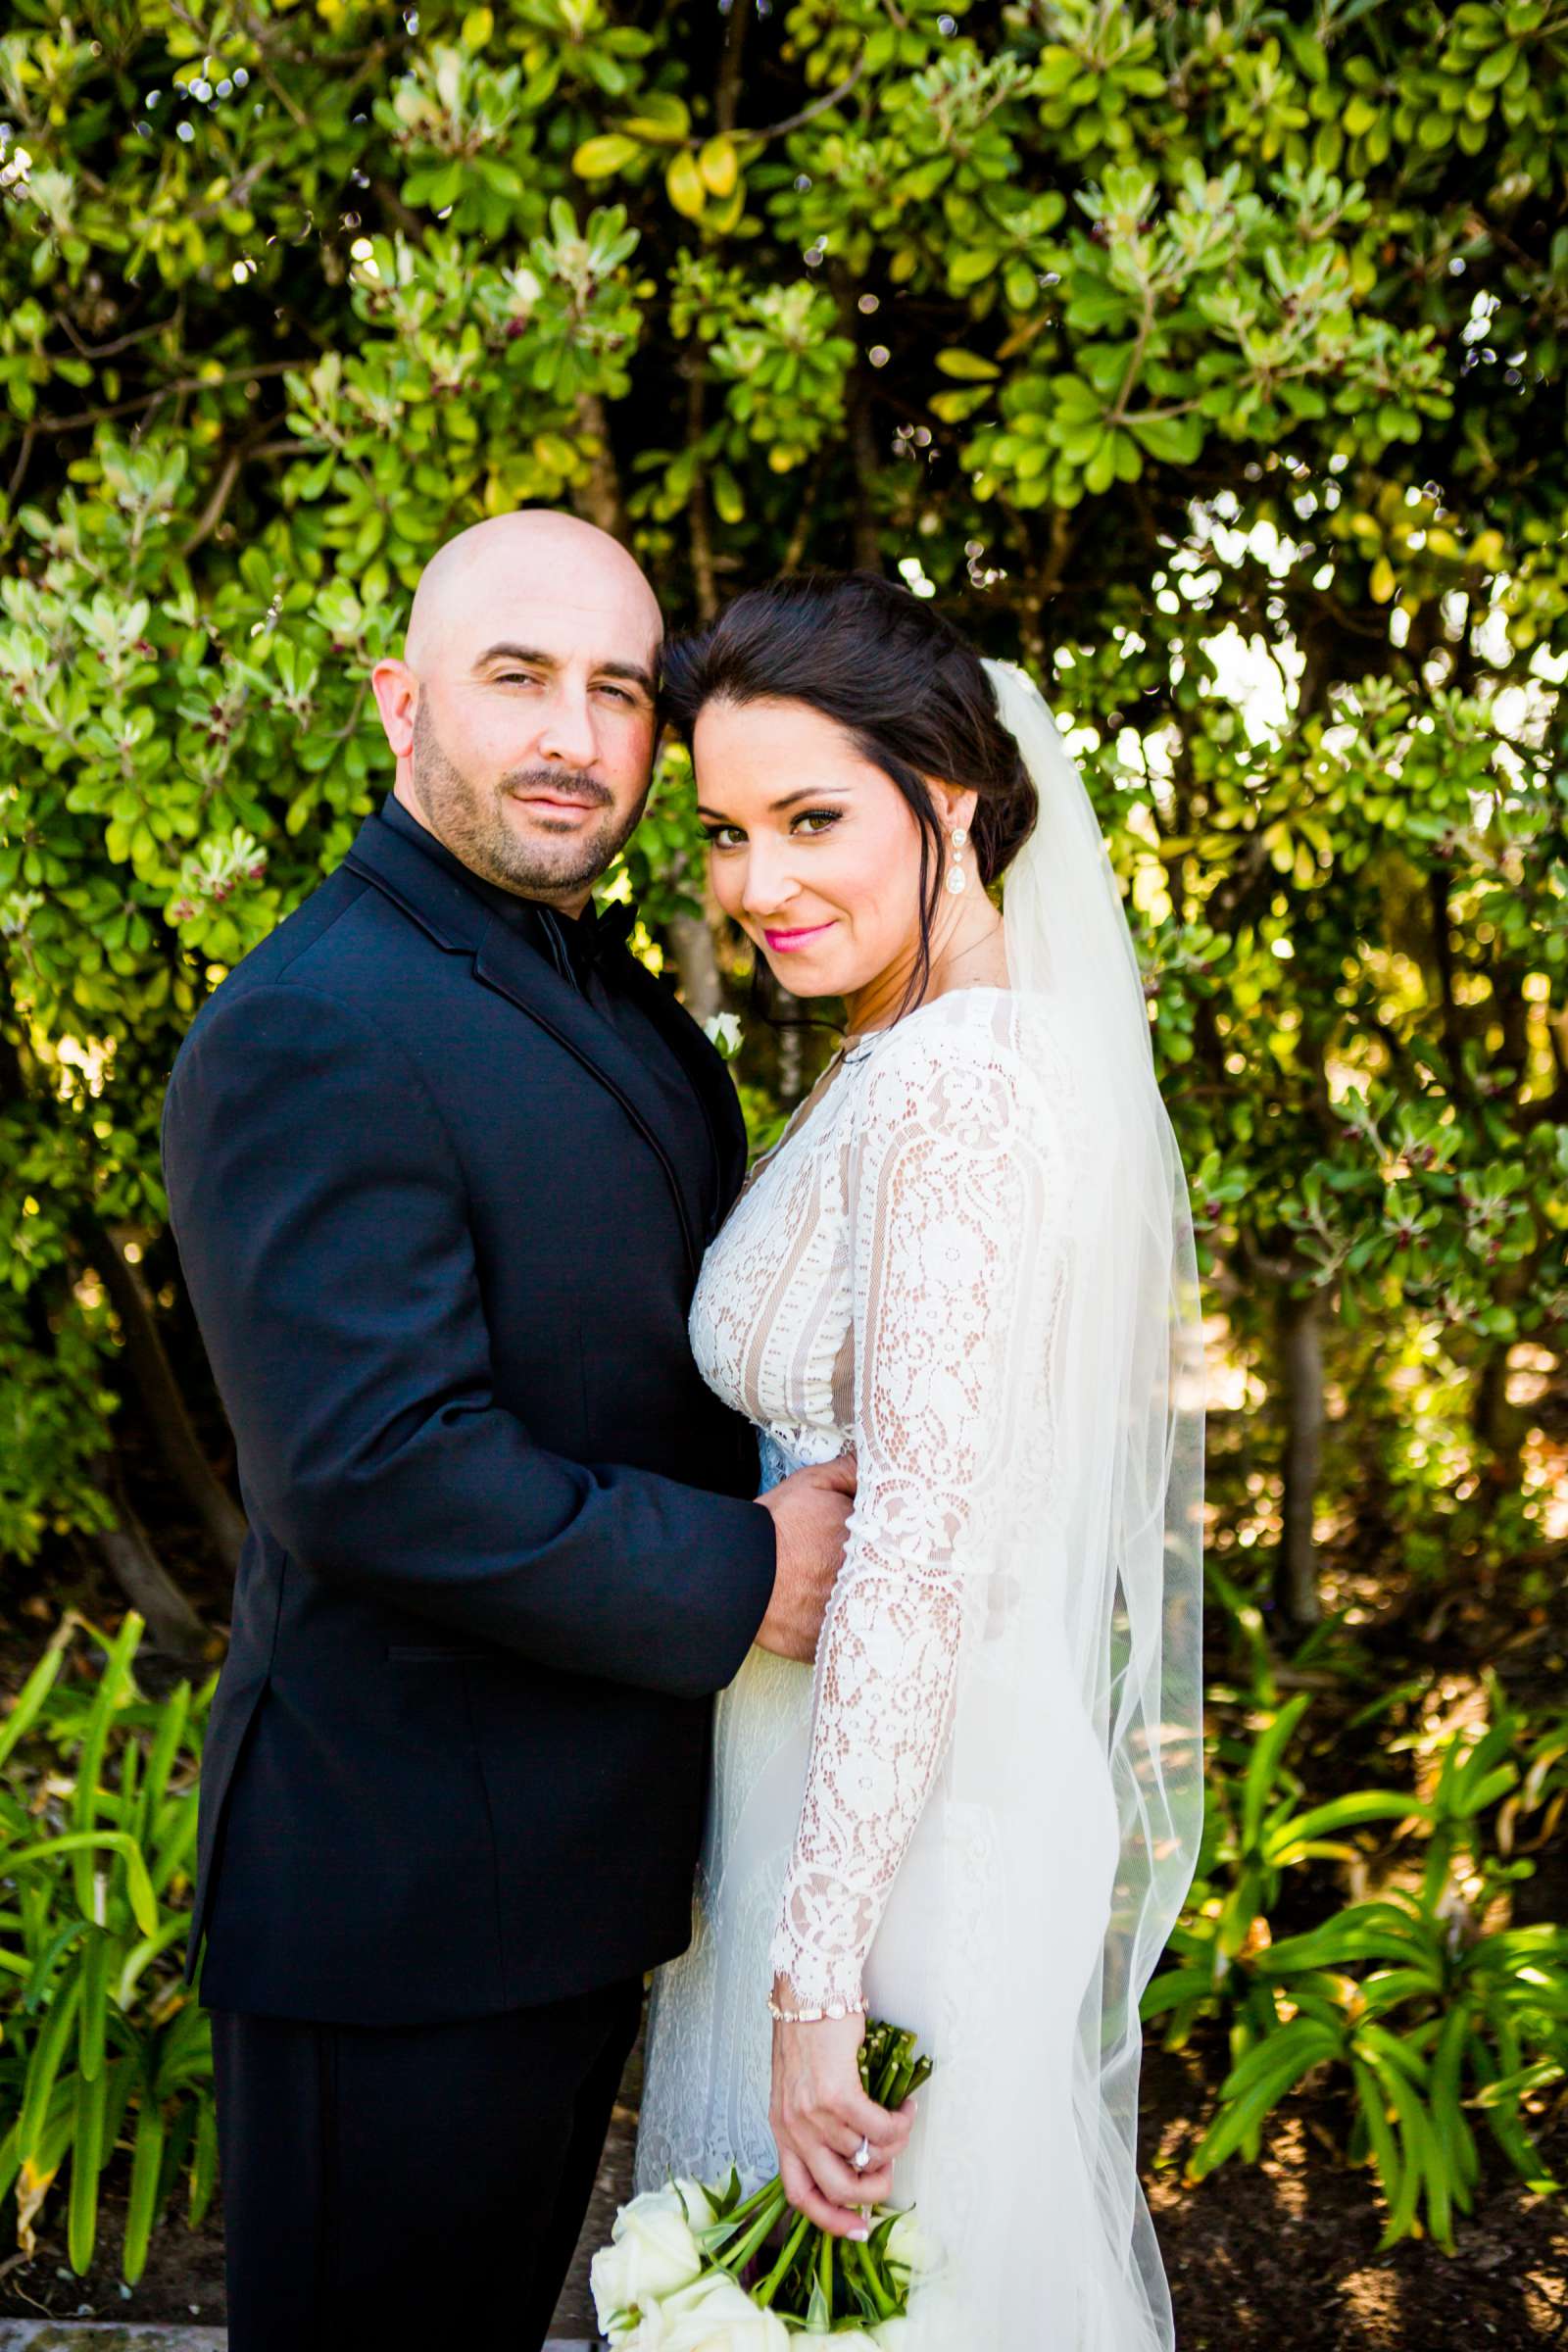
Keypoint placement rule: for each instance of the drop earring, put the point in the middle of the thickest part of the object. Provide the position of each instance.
(958, 879)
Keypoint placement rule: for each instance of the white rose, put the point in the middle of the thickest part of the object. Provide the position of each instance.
(908, 2249)
(652, 2252)
(607, 2281)
(717, 2315)
(724, 1031)
(696, 2201)
(888, 2335)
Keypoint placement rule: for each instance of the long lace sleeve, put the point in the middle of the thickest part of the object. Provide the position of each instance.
(949, 1192)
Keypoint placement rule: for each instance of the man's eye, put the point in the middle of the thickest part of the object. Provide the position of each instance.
(620, 693)
(517, 677)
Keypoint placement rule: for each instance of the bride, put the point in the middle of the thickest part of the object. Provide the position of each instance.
(969, 1260)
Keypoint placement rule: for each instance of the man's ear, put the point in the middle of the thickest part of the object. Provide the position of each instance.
(397, 698)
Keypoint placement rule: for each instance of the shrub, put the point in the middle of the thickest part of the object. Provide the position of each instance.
(103, 2045)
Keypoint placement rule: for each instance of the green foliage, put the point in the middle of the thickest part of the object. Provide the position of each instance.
(1435, 2012)
(101, 2045)
(1209, 360)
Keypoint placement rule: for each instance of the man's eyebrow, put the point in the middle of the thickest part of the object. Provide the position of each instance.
(542, 660)
(806, 792)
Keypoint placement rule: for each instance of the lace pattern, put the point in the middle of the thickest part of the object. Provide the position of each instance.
(860, 1296)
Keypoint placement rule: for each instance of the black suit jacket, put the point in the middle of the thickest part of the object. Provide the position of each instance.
(501, 1549)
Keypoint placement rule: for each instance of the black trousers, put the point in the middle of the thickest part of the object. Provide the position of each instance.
(394, 2186)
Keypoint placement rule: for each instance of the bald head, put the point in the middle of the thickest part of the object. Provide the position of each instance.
(534, 554)
(522, 712)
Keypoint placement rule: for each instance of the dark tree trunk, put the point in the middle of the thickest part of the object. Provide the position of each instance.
(702, 983)
(599, 499)
(1302, 1368)
(791, 1058)
(158, 1391)
(127, 1554)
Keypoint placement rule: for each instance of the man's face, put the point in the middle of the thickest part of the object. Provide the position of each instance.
(534, 732)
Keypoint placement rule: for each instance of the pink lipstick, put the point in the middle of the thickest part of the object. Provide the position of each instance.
(780, 943)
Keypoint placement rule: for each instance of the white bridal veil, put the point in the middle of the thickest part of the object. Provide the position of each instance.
(1077, 1744)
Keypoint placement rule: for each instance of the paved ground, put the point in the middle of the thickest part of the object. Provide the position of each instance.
(99, 2336)
(76, 2336)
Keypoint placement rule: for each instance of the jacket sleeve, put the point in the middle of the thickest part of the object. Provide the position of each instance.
(320, 1215)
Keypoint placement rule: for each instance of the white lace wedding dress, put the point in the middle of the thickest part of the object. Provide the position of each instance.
(889, 1281)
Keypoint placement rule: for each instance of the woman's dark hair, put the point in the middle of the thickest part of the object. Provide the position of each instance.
(905, 685)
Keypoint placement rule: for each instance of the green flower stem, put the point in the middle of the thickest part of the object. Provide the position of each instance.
(758, 2198)
(902, 2081)
(824, 2270)
(861, 2258)
(737, 2256)
(887, 2068)
(716, 2235)
(776, 2277)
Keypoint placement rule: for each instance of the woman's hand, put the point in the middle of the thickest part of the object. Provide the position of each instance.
(819, 2113)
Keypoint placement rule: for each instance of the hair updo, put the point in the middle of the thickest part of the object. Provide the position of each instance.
(905, 686)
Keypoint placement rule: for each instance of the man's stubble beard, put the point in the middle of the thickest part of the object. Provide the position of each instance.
(472, 823)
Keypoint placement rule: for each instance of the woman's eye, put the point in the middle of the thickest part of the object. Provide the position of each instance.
(717, 837)
(818, 819)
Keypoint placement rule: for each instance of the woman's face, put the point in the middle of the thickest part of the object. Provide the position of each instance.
(815, 852)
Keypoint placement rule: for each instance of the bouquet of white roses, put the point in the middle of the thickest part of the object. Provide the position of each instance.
(697, 2269)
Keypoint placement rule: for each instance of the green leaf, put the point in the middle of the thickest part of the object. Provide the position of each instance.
(111, 1687)
(86, 2161)
(662, 118)
(599, 158)
(685, 185)
(1174, 440)
(142, 2204)
(1498, 66)
(27, 1704)
(1020, 286)
(728, 502)
(97, 1956)
(967, 270)
(969, 366)
(718, 166)
(204, 2163)
(1261, 1765)
(44, 2067)
(138, 1887)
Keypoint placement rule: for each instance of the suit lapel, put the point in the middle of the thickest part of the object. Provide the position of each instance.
(508, 964)
(704, 1066)
(460, 921)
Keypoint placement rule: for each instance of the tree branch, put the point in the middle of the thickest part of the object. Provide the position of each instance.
(156, 1385)
(128, 1553)
(180, 385)
(726, 100)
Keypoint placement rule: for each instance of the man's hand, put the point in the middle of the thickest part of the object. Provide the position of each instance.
(810, 1510)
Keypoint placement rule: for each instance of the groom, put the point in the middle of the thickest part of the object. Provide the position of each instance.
(442, 1160)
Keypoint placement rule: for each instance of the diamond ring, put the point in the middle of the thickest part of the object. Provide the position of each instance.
(862, 2155)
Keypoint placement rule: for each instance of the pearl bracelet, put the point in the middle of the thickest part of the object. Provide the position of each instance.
(814, 2017)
